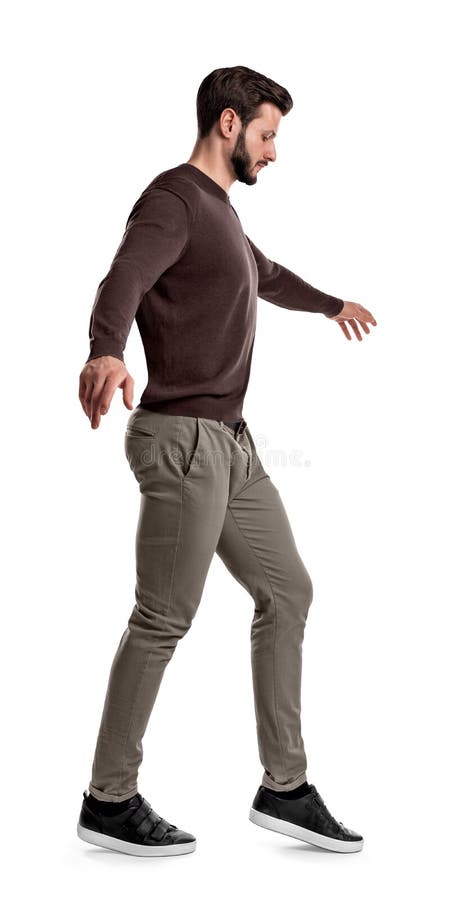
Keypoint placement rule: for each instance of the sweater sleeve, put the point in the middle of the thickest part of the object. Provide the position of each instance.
(284, 288)
(156, 233)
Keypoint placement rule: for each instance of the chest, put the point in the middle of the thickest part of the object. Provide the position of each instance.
(219, 251)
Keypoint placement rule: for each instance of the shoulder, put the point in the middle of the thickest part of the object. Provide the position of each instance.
(172, 190)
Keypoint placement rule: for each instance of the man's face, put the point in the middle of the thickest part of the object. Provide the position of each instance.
(254, 146)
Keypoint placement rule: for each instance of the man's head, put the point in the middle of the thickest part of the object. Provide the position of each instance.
(242, 109)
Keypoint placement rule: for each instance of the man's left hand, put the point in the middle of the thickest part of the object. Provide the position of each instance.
(354, 313)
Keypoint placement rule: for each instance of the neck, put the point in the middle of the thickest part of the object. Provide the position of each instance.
(208, 161)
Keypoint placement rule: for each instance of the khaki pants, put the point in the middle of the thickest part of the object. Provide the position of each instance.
(204, 490)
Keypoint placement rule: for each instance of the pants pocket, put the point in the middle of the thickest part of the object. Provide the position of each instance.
(141, 452)
(143, 423)
(189, 438)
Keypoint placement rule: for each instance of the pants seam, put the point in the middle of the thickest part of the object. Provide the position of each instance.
(165, 613)
(132, 713)
(176, 547)
(275, 631)
(178, 533)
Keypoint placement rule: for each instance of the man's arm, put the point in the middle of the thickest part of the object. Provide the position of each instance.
(156, 233)
(284, 288)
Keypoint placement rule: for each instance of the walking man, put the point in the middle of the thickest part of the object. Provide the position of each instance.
(190, 276)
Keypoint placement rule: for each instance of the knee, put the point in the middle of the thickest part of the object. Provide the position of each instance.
(302, 591)
(301, 582)
(308, 590)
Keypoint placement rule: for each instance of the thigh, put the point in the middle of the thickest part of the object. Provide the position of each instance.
(182, 507)
(257, 545)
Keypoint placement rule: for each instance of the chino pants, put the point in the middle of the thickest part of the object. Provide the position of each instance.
(203, 491)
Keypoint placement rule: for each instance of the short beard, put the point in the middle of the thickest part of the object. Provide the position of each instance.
(241, 162)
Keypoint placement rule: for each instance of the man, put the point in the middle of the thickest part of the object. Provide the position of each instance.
(190, 276)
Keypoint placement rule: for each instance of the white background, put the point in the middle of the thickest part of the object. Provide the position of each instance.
(98, 98)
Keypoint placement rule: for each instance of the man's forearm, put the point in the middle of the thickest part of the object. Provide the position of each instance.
(116, 302)
(280, 286)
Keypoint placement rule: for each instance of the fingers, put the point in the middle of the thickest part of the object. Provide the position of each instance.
(360, 316)
(364, 315)
(95, 396)
(98, 399)
(102, 403)
(127, 387)
(345, 330)
(82, 393)
(85, 394)
(98, 380)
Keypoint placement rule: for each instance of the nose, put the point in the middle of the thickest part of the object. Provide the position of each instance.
(271, 154)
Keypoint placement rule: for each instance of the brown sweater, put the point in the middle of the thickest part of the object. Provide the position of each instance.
(190, 276)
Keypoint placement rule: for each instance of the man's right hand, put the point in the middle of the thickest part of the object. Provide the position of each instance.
(98, 380)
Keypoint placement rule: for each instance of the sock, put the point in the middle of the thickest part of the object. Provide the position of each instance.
(107, 807)
(293, 794)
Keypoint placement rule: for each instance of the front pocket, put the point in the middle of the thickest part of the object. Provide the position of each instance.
(189, 445)
(142, 423)
(138, 431)
(141, 453)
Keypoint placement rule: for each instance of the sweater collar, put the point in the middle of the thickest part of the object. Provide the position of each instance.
(205, 181)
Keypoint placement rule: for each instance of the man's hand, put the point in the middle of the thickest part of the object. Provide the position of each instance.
(353, 313)
(98, 381)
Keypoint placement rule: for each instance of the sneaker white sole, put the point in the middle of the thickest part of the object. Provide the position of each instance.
(303, 834)
(112, 843)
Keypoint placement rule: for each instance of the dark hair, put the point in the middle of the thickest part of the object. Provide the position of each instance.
(240, 88)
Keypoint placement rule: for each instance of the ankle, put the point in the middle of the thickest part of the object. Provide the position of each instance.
(293, 794)
(107, 807)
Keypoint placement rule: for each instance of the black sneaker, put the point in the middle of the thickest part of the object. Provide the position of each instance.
(138, 830)
(306, 818)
